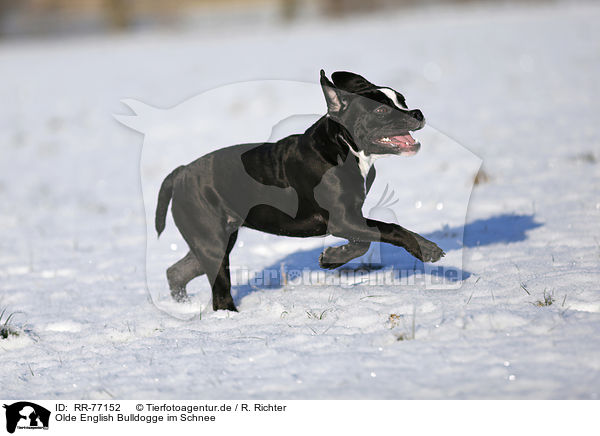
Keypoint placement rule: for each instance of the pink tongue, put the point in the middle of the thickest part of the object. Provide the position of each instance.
(402, 140)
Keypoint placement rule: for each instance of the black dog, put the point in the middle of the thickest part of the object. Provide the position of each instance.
(309, 184)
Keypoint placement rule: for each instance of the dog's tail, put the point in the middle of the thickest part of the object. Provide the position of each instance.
(164, 198)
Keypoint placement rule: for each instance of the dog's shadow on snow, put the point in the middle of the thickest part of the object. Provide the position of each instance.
(500, 229)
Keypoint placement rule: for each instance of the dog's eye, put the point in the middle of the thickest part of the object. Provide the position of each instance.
(382, 110)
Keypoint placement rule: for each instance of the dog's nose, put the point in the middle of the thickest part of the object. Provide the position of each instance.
(417, 115)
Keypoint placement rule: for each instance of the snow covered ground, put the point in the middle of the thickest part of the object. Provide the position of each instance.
(517, 86)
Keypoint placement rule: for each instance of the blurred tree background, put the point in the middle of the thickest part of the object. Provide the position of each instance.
(19, 18)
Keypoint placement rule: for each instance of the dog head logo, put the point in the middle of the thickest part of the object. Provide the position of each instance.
(431, 190)
(26, 415)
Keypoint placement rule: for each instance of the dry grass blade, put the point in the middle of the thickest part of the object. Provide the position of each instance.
(6, 329)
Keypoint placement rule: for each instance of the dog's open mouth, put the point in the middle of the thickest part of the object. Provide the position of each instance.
(404, 142)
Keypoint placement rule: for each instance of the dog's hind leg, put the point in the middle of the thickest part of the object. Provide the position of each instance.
(181, 273)
(221, 285)
(334, 257)
(213, 255)
(204, 227)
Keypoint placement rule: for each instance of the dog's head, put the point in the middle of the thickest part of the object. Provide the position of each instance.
(376, 117)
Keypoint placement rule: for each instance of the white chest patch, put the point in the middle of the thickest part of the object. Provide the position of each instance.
(366, 162)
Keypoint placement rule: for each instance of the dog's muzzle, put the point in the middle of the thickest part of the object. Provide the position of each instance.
(403, 143)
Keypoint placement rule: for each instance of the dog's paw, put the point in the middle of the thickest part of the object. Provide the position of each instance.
(224, 304)
(425, 250)
(180, 295)
(329, 258)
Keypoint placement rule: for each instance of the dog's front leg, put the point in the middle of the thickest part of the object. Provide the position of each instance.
(368, 230)
(421, 248)
(334, 257)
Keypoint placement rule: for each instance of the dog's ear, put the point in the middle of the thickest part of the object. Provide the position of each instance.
(351, 82)
(333, 96)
